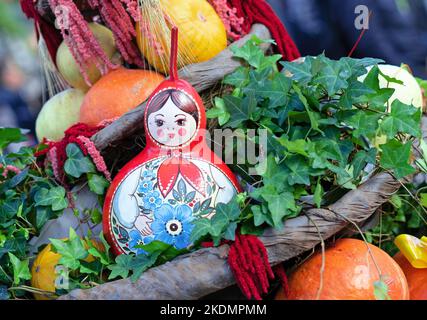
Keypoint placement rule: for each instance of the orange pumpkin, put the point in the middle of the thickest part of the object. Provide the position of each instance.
(349, 274)
(44, 273)
(417, 278)
(202, 34)
(116, 93)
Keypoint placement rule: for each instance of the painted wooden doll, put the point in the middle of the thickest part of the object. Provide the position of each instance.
(174, 180)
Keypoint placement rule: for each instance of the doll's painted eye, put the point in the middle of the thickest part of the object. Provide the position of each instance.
(180, 122)
(159, 122)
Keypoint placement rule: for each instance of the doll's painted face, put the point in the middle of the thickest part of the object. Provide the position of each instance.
(172, 118)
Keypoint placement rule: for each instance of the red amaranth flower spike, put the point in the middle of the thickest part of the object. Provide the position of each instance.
(79, 134)
(122, 25)
(98, 160)
(228, 14)
(9, 168)
(82, 43)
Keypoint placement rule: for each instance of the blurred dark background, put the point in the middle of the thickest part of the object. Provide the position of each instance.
(20, 76)
(397, 30)
(397, 33)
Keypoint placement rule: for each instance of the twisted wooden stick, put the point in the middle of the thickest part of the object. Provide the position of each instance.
(205, 271)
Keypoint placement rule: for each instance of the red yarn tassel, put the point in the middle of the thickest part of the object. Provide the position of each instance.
(259, 11)
(279, 270)
(248, 260)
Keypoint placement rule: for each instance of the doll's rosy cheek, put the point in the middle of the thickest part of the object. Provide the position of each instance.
(160, 133)
(182, 132)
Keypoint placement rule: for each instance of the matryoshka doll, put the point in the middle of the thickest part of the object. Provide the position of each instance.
(174, 180)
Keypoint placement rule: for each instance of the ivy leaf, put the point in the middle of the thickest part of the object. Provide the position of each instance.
(93, 267)
(249, 52)
(356, 93)
(166, 251)
(261, 216)
(299, 171)
(201, 228)
(298, 146)
(403, 118)
(248, 228)
(361, 158)
(423, 200)
(280, 206)
(121, 268)
(318, 194)
(331, 76)
(371, 80)
(103, 256)
(10, 135)
(238, 78)
(97, 183)
(364, 122)
(415, 220)
(276, 90)
(381, 96)
(20, 268)
(76, 163)
(253, 54)
(8, 210)
(43, 214)
(219, 111)
(273, 174)
(358, 66)
(71, 250)
(230, 232)
(240, 109)
(310, 113)
(231, 209)
(54, 197)
(390, 79)
(299, 71)
(141, 263)
(18, 179)
(395, 156)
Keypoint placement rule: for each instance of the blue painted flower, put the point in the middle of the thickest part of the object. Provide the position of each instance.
(136, 239)
(145, 186)
(173, 225)
(152, 200)
(148, 175)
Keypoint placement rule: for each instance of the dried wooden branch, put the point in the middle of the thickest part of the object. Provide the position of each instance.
(201, 75)
(205, 271)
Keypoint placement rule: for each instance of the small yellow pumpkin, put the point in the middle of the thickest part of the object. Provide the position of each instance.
(202, 34)
(44, 273)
